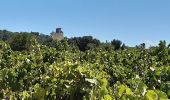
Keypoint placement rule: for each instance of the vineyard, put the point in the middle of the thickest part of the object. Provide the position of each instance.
(65, 73)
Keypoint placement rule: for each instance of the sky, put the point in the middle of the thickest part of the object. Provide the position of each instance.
(131, 21)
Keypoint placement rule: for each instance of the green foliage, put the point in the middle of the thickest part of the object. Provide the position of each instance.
(24, 37)
(116, 44)
(62, 72)
(21, 42)
(84, 43)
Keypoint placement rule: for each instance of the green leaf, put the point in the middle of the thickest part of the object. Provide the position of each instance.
(121, 90)
(161, 95)
(129, 91)
(168, 92)
(156, 95)
(107, 97)
(151, 95)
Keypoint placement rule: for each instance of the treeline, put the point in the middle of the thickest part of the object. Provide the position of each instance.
(20, 41)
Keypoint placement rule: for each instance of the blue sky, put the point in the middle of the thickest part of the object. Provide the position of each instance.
(132, 21)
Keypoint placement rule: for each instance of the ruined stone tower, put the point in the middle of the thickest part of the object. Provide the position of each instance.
(58, 35)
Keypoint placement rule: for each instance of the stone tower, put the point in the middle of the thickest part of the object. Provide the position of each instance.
(58, 35)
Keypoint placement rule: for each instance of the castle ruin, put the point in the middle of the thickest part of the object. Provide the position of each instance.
(58, 35)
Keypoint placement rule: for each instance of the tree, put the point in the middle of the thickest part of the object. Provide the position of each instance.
(84, 43)
(141, 46)
(123, 47)
(116, 44)
(5, 35)
(162, 52)
(21, 41)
